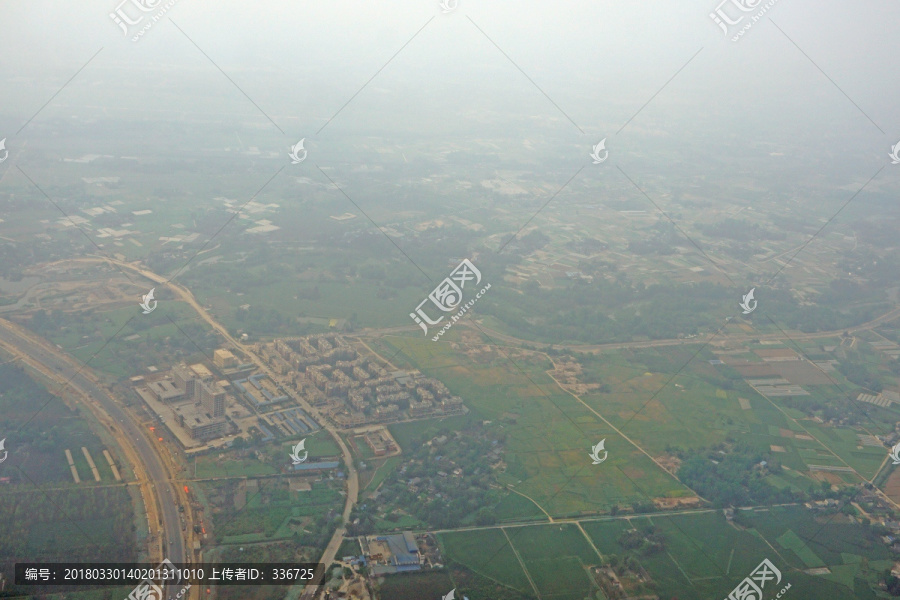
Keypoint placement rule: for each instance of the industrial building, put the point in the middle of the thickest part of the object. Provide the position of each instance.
(388, 554)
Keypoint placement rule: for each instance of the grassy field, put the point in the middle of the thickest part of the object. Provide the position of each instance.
(414, 586)
(407, 433)
(209, 466)
(487, 553)
(108, 339)
(555, 557)
(274, 513)
(383, 469)
(549, 434)
(359, 447)
(41, 426)
(650, 391)
(319, 444)
(704, 556)
(540, 541)
(560, 578)
(516, 507)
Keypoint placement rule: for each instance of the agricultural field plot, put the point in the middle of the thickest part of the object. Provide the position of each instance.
(120, 345)
(212, 466)
(706, 556)
(487, 553)
(416, 431)
(829, 543)
(560, 578)
(845, 443)
(268, 509)
(718, 414)
(268, 460)
(556, 557)
(549, 433)
(646, 395)
(329, 299)
(89, 524)
(414, 586)
(39, 428)
(514, 507)
(536, 542)
(51, 518)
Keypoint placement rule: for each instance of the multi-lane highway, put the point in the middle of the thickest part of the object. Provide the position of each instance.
(60, 367)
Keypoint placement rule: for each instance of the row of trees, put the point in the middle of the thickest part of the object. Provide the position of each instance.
(77, 525)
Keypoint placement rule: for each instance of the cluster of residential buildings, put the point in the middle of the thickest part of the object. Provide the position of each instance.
(354, 390)
(348, 388)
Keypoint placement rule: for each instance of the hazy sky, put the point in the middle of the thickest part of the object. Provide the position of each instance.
(599, 61)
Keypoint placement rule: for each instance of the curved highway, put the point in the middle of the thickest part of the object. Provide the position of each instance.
(45, 358)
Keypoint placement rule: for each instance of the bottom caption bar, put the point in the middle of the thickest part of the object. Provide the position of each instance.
(168, 574)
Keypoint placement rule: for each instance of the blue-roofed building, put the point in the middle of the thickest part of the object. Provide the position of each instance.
(403, 555)
(301, 427)
(267, 434)
(288, 425)
(258, 395)
(388, 554)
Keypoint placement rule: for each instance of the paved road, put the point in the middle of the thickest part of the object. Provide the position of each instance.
(796, 336)
(352, 476)
(67, 368)
(497, 336)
